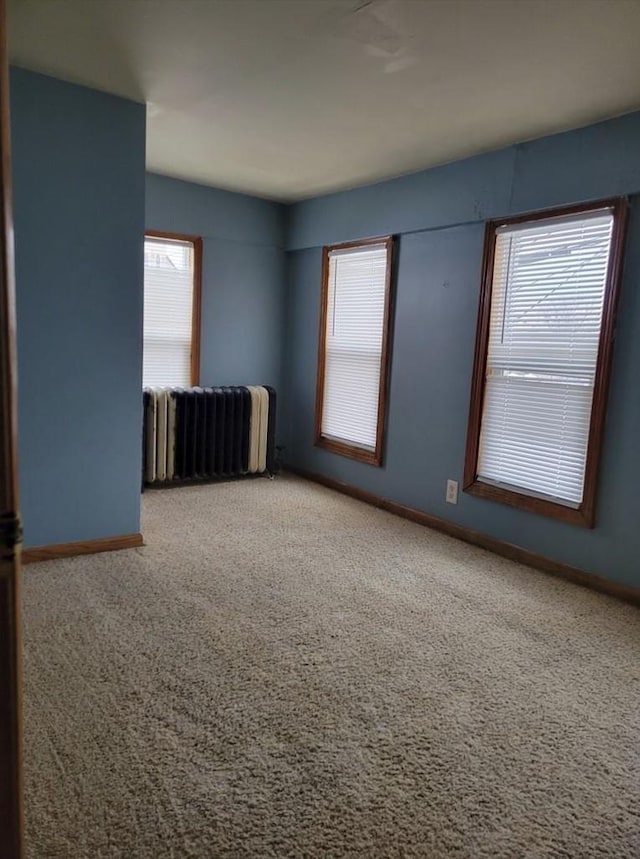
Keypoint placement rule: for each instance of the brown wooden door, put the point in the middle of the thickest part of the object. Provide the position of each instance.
(11, 827)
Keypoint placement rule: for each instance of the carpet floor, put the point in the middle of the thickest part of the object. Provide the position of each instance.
(286, 672)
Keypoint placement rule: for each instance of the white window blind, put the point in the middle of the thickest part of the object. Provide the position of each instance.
(549, 283)
(353, 344)
(168, 307)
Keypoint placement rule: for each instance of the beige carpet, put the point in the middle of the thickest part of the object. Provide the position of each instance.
(285, 672)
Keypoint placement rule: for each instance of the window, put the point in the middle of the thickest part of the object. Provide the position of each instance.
(354, 350)
(542, 361)
(172, 272)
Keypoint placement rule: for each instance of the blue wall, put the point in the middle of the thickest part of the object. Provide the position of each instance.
(243, 276)
(78, 196)
(439, 215)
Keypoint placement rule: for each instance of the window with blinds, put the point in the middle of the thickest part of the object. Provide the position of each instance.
(353, 355)
(547, 300)
(171, 302)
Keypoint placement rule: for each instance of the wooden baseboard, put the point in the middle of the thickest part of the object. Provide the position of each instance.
(83, 547)
(477, 538)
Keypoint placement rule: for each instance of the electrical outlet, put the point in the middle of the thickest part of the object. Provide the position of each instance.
(452, 492)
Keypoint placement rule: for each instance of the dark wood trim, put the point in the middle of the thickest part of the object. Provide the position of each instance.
(479, 359)
(11, 785)
(196, 309)
(322, 335)
(530, 503)
(477, 538)
(584, 515)
(360, 243)
(176, 237)
(196, 312)
(344, 448)
(351, 451)
(620, 208)
(558, 212)
(82, 547)
(387, 339)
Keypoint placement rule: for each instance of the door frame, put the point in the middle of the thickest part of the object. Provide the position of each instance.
(11, 788)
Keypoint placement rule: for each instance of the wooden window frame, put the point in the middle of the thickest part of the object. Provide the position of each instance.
(584, 514)
(344, 448)
(196, 307)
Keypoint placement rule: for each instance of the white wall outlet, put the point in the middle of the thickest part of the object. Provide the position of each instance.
(452, 492)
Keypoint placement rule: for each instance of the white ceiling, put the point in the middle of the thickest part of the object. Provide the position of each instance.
(287, 99)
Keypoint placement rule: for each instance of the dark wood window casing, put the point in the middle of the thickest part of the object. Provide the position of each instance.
(583, 514)
(345, 448)
(196, 313)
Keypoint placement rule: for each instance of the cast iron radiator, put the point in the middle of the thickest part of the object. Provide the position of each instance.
(207, 433)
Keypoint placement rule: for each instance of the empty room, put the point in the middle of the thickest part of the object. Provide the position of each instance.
(319, 429)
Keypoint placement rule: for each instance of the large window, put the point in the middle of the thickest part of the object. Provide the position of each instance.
(172, 272)
(542, 359)
(354, 348)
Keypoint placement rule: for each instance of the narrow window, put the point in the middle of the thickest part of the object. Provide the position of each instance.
(172, 272)
(354, 349)
(543, 353)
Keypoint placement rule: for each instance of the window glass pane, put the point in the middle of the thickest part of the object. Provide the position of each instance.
(168, 303)
(549, 283)
(353, 344)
